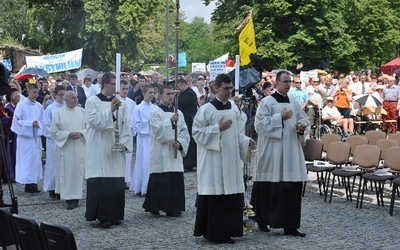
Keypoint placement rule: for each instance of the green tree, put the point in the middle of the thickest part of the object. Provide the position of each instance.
(13, 21)
(197, 40)
(101, 28)
(373, 26)
(347, 33)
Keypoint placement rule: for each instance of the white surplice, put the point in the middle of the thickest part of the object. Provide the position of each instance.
(49, 182)
(29, 146)
(219, 169)
(130, 105)
(70, 156)
(279, 153)
(101, 161)
(140, 124)
(162, 138)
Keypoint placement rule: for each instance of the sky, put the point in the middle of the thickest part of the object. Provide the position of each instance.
(193, 8)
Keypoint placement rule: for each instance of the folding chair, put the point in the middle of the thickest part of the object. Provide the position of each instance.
(57, 237)
(7, 232)
(313, 151)
(28, 233)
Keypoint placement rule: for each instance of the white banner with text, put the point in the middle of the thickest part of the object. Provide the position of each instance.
(57, 62)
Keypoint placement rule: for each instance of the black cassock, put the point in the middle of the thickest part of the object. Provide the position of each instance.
(187, 104)
(277, 204)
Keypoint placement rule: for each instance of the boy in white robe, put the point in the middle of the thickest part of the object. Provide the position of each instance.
(130, 105)
(28, 125)
(140, 124)
(220, 148)
(49, 183)
(67, 130)
(166, 189)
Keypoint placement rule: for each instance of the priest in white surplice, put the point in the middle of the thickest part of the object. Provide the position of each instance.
(130, 105)
(49, 183)
(140, 124)
(67, 131)
(105, 169)
(166, 189)
(28, 125)
(281, 169)
(220, 147)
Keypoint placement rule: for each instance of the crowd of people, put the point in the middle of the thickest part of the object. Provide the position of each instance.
(332, 99)
(90, 133)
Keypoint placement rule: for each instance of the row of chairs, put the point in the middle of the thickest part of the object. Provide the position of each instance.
(355, 151)
(26, 234)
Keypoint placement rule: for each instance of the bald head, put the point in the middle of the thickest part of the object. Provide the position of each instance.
(71, 99)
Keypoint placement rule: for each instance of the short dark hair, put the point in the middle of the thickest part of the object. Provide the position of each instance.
(182, 81)
(73, 76)
(163, 88)
(106, 79)
(58, 88)
(124, 82)
(32, 86)
(266, 85)
(146, 88)
(222, 78)
(280, 73)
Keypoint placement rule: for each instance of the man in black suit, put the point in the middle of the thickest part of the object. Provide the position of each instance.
(43, 90)
(73, 79)
(187, 104)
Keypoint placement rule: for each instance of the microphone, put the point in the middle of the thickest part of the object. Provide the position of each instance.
(258, 62)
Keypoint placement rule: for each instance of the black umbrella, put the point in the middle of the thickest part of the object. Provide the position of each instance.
(34, 71)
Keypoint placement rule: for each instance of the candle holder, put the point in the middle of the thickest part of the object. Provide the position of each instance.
(116, 147)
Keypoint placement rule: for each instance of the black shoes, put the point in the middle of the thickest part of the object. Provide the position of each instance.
(72, 204)
(53, 195)
(108, 224)
(116, 223)
(31, 188)
(263, 228)
(173, 213)
(225, 241)
(105, 224)
(294, 232)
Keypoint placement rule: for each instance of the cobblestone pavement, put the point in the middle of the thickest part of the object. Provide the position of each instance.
(338, 225)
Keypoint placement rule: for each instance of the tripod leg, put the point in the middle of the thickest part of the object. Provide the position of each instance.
(14, 200)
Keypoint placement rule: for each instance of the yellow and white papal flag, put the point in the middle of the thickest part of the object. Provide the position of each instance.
(247, 42)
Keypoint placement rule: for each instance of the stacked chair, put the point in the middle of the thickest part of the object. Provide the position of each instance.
(26, 234)
(372, 158)
(7, 232)
(391, 161)
(313, 151)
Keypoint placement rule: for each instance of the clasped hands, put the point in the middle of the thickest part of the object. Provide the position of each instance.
(75, 135)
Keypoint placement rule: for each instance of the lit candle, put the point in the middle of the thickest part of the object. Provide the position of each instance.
(118, 74)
